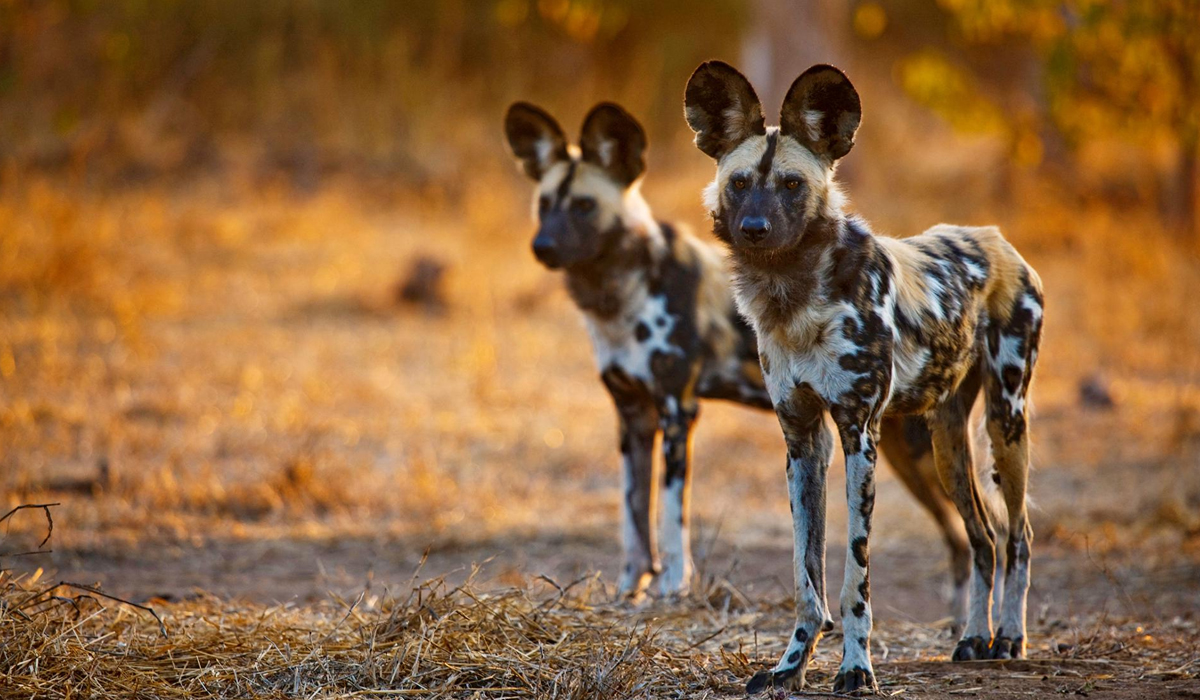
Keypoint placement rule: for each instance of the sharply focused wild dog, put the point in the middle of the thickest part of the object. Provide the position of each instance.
(866, 327)
(664, 330)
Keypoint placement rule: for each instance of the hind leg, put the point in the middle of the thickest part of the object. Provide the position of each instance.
(1012, 354)
(952, 456)
(907, 444)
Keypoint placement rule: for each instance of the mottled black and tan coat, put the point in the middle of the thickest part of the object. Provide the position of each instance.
(862, 327)
(665, 332)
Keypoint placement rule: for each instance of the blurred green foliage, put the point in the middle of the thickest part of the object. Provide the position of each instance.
(1128, 65)
(1103, 69)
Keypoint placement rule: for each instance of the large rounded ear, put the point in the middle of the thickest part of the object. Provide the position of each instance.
(613, 140)
(535, 138)
(722, 108)
(822, 111)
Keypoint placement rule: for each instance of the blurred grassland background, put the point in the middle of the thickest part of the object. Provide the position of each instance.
(205, 208)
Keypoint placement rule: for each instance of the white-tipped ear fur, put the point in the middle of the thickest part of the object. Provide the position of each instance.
(536, 139)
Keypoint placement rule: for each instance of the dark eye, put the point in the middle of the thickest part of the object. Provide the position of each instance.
(739, 184)
(792, 183)
(543, 205)
(583, 205)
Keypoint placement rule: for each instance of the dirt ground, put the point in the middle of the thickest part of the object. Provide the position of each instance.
(230, 402)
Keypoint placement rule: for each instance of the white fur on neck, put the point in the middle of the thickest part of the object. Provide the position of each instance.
(637, 217)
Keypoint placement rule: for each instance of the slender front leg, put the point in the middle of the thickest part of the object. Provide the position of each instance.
(858, 443)
(810, 446)
(638, 426)
(676, 419)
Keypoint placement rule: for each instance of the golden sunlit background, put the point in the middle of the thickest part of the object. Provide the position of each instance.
(270, 326)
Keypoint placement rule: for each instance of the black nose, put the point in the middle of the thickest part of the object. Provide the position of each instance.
(545, 250)
(755, 228)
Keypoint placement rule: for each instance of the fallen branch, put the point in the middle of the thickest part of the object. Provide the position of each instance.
(49, 520)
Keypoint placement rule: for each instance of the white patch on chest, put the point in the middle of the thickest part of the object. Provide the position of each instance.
(809, 351)
(615, 341)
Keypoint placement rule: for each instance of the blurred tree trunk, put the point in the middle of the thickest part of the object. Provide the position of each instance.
(1183, 205)
(1179, 202)
(1185, 209)
(785, 38)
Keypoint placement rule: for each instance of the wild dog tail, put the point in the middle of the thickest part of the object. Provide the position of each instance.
(988, 480)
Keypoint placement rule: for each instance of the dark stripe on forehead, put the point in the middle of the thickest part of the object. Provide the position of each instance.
(764, 165)
(565, 186)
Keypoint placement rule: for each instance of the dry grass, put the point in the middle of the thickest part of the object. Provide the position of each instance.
(431, 642)
(215, 354)
(541, 640)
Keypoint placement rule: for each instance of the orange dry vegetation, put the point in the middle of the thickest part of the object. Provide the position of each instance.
(233, 354)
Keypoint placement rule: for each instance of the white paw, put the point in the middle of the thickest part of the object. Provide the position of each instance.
(675, 580)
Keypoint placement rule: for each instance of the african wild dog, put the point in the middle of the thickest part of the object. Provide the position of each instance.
(665, 331)
(864, 327)
(658, 310)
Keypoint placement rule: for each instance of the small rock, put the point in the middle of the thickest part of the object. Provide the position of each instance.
(1094, 392)
(423, 284)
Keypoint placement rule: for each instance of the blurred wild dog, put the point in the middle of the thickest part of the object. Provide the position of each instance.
(665, 332)
(865, 327)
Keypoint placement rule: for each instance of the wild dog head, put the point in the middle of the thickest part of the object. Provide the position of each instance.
(772, 182)
(584, 195)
